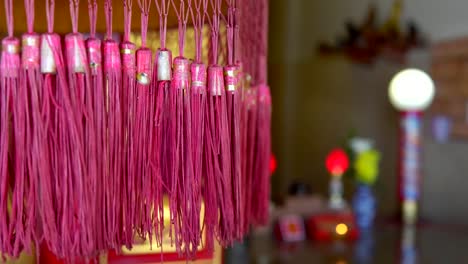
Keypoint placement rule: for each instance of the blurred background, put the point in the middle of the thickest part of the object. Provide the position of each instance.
(319, 100)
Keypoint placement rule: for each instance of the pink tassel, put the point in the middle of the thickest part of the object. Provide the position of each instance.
(48, 189)
(83, 187)
(68, 152)
(145, 110)
(81, 89)
(19, 233)
(30, 84)
(183, 199)
(160, 90)
(209, 179)
(218, 144)
(165, 138)
(182, 175)
(93, 49)
(130, 192)
(115, 138)
(219, 153)
(198, 110)
(129, 86)
(261, 196)
(248, 140)
(260, 209)
(21, 142)
(233, 96)
(11, 221)
(148, 182)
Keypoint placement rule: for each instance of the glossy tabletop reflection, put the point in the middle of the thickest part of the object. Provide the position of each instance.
(385, 244)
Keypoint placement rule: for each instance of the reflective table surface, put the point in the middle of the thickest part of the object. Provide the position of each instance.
(384, 244)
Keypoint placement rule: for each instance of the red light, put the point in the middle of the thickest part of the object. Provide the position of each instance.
(337, 162)
(273, 164)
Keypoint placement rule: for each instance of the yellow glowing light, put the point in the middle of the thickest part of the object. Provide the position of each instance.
(411, 90)
(341, 229)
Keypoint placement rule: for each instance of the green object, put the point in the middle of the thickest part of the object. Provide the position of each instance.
(366, 166)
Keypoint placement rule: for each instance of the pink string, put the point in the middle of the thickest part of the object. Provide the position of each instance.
(182, 16)
(50, 14)
(198, 20)
(108, 14)
(163, 10)
(236, 30)
(264, 41)
(128, 5)
(74, 9)
(214, 23)
(144, 9)
(29, 8)
(9, 16)
(231, 25)
(92, 10)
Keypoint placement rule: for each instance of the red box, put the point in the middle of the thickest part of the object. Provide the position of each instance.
(332, 225)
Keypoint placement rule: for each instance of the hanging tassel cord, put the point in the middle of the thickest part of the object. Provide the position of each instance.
(214, 24)
(144, 10)
(163, 7)
(50, 15)
(74, 9)
(197, 11)
(92, 12)
(247, 34)
(9, 17)
(261, 34)
(230, 31)
(264, 40)
(29, 8)
(108, 14)
(182, 13)
(128, 7)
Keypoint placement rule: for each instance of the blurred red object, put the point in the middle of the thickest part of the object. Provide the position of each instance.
(290, 228)
(273, 164)
(332, 226)
(337, 162)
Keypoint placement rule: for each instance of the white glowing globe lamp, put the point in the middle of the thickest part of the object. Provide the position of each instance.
(411, 90)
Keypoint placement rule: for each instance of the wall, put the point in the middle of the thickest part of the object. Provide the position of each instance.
(63, 22)
(319, 100)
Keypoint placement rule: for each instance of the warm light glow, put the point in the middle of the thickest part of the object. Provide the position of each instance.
(337, 162)
(341, 229)
(273, 164)
(411, 90)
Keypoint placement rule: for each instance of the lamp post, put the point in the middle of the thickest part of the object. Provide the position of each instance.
(410, 91)
(337, 163)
